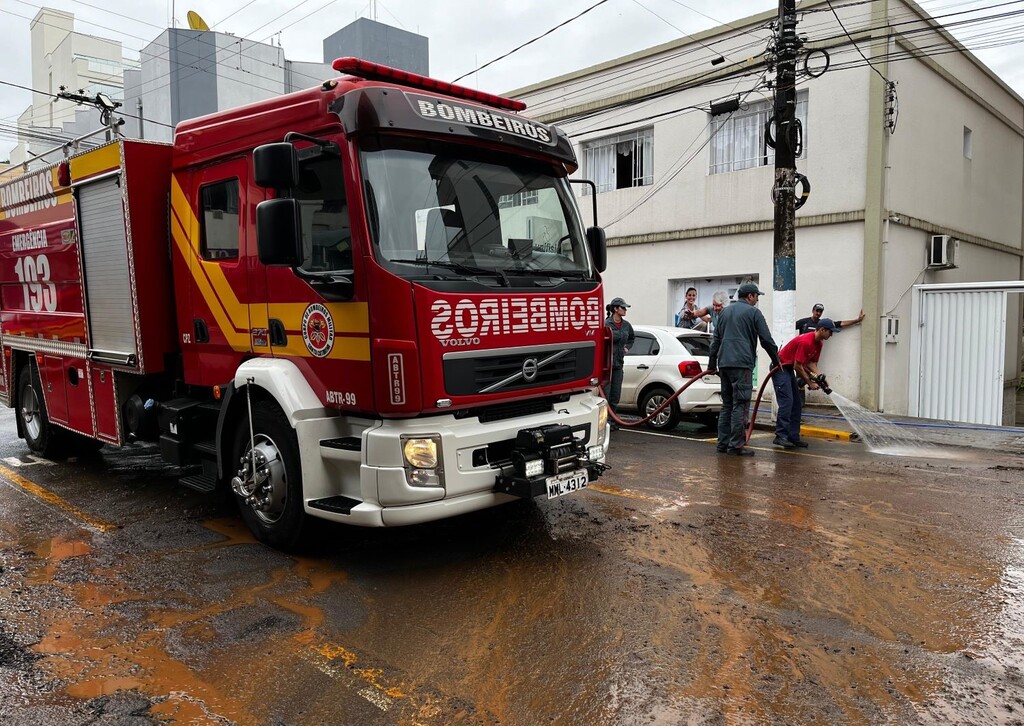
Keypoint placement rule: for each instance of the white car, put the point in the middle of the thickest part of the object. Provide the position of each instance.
(661, 360)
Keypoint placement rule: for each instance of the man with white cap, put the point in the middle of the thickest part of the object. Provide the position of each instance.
(733, 354)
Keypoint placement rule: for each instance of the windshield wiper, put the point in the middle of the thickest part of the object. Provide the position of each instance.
(571, 274)
(459, 267)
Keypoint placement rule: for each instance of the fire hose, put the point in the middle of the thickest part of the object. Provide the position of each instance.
(819, 379)
(668, 402)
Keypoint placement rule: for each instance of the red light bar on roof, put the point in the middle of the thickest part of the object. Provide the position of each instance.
(366, 69)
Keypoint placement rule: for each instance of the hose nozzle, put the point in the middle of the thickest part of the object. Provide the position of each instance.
(822, 383)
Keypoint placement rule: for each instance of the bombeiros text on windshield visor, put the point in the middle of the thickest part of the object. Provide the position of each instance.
(435, 109)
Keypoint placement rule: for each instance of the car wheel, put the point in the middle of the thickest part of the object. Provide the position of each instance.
(41, 437)
(667, 418)
(269, 489)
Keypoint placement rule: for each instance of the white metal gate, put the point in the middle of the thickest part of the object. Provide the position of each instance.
(958, 351)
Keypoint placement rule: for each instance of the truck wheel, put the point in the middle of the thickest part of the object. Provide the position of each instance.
(269, 495)
(41, 437)
(668, 419)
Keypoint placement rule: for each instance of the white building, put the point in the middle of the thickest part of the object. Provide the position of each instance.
(62, 57)
(685, 195)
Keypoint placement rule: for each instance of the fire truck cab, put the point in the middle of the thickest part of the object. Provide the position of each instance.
(373, 302)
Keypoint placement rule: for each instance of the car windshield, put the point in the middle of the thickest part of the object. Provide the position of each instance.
(697, 344)
(441, 209)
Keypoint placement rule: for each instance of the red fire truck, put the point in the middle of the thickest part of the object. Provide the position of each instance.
(373, 302)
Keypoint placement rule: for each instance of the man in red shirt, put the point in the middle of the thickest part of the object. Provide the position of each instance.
(799, 359)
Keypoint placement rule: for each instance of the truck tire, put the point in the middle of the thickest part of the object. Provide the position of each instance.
(278, 520)
(668, 419)
(41, 437)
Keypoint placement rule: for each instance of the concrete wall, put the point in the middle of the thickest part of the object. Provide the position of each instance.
(373, 41)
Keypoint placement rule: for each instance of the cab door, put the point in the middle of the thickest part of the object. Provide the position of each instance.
(219, 329)
(640, 361)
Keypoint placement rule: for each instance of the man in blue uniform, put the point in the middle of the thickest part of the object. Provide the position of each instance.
(733, 355)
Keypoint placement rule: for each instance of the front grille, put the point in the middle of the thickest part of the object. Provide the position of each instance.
(514, 410)
(490, 373)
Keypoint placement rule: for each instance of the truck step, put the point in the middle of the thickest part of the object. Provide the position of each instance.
(346, 448)
(206, 448)
(338, 505)
(203, 483)
(346, 443)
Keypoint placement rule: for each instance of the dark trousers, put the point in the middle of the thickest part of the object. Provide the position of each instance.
(790, 403)
(737, 387)
(615, 389)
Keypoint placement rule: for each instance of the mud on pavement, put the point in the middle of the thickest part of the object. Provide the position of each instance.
(829, 587)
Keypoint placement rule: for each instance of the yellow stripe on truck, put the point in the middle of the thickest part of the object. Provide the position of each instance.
(104, 159)
(235, 318)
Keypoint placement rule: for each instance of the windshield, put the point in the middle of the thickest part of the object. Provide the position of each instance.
(435, 210)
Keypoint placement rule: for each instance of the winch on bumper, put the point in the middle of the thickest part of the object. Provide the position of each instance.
(549, 460)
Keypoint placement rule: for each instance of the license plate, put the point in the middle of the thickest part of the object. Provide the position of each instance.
(571, 481)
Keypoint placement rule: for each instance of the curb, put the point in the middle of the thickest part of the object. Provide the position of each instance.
(819, 433)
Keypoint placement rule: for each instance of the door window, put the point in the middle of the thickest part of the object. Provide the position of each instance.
(219, 220)
(644, 345)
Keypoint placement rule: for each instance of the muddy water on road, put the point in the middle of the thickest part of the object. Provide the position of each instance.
(705, 589)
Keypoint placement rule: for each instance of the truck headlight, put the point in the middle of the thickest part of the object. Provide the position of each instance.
(602, 421)
(420, 453)
(423, 462)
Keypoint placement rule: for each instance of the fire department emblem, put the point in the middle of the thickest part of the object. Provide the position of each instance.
(318, 330)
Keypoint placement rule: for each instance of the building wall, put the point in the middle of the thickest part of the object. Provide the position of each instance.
(379, 43)
(701, 226)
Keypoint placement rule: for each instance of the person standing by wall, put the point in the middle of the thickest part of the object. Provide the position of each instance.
(733, 354)
(710, 313)
(622, 341)
(799, 358)
(687, 316)
(806, 325)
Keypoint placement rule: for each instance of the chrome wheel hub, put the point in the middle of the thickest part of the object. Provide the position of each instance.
(30, 413)
(262, 482)
(652, 405)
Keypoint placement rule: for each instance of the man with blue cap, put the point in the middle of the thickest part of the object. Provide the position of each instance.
(733, 354)
(799, 358)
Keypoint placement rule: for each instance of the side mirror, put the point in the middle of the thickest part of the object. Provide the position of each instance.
(598, 249)
(279, 232)
(276, 166)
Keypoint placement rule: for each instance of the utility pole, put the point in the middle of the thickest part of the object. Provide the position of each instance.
(788, 140)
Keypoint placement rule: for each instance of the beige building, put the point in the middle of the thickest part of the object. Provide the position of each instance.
(923, 184)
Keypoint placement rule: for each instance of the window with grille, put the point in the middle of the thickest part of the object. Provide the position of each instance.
(219, 221)
(738, 139)
(519, 199)
(620, 162)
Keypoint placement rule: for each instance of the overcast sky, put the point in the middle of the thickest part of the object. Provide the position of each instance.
(463, 35)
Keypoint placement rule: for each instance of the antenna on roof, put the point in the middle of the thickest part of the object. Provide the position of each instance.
(196, 22)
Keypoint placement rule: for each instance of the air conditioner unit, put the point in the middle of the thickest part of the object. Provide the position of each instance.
(942, 251)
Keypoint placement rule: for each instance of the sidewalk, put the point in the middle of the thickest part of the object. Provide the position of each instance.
(825, 421)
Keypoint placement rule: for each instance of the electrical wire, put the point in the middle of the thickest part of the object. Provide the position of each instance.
(840, 21)
(532, 40)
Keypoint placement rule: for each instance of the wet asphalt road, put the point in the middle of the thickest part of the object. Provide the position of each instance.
(683, 587)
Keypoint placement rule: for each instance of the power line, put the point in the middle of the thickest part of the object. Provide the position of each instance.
(533, 40)
(847, 32)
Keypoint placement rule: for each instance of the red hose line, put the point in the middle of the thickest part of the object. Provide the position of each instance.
(674, 396)
(660, 408)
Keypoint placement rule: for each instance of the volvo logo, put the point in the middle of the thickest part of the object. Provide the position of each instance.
(530, 369)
